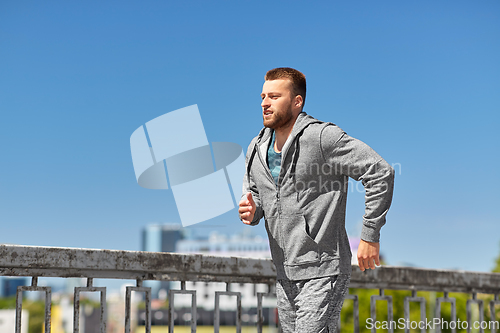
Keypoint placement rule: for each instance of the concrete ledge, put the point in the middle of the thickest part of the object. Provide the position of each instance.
(91, 263)
(73, 262)
(409, 278)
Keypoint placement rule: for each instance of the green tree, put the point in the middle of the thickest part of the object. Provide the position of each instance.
(398, 297)
(36, 310)
(497, 265)
(8, 303)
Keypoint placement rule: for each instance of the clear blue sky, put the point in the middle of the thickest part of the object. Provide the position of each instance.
(419, 81)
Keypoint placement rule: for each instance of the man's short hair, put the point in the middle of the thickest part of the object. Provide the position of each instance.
(297, 78)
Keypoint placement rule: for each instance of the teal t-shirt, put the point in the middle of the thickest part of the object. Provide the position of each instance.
(274, 160)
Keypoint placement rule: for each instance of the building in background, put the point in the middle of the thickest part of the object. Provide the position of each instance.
(8, 285)
(161, 238)
(353, 244)
(8, 321)
(238, 245)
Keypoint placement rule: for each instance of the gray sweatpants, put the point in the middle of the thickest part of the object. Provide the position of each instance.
(311, 306)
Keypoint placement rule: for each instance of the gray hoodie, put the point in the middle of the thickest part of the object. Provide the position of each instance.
(305, 211)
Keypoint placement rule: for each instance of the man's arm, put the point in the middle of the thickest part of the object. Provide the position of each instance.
(357, 160)
(247, 209)
(368, 255)
(250, 209)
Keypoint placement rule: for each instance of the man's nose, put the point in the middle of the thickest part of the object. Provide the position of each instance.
(265, 102)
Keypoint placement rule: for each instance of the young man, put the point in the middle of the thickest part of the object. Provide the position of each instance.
(296, 178)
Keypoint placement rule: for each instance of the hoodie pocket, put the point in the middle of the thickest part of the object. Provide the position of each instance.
(299, 248)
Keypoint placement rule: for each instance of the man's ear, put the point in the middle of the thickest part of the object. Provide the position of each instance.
(298, 101)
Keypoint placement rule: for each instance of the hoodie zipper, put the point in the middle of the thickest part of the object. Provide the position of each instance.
(268, 172)
(270, 177)
(283, 155)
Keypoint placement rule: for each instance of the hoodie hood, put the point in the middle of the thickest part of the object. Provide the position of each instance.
(301, 123)
(261, 141)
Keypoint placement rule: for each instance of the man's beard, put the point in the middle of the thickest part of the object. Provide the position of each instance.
(279, 119)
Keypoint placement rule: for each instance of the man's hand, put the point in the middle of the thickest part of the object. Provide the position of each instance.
(247, 208)
(368, 253)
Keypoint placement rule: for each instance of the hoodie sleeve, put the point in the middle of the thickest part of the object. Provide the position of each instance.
(355, 159)
(249, 185)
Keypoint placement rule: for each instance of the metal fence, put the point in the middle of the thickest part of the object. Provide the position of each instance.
(38, 262)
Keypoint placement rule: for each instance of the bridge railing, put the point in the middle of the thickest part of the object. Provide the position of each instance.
(36, 262)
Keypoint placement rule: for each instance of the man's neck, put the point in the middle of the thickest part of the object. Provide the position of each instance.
(282, 135)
